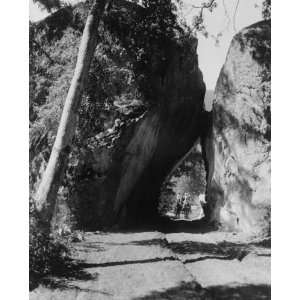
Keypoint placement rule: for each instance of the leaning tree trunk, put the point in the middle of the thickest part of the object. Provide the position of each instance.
(45, 197)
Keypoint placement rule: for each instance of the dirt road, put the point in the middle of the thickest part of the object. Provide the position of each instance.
(153, 265)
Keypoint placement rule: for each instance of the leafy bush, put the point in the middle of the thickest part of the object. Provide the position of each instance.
(48, 255)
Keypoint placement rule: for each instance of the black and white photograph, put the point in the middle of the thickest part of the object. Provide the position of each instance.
(137, 161)
(150, 149)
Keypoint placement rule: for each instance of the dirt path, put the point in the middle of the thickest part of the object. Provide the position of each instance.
(152, 265)
(229, 266)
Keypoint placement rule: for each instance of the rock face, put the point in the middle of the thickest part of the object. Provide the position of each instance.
(239, 193)
(127, 140)
(131, 188)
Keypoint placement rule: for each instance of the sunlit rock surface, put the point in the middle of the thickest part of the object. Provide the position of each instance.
(239, 194)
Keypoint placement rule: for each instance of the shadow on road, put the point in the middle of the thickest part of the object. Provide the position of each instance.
(186, 290)
(244, 292)
(223, 250)
(193, 291)
(166, 225)
(71, 270)
(183, 226)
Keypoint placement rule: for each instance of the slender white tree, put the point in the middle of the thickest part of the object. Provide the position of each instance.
(45, 197)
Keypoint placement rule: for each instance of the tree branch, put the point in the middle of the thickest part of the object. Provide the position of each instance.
(205, 5)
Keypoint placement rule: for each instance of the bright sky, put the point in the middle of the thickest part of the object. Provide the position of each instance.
(211, 57)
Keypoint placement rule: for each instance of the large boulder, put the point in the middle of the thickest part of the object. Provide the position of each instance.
(239, 193)
(142, 110)
(146, 151)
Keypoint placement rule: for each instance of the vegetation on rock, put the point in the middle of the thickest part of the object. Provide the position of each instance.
(122, 81)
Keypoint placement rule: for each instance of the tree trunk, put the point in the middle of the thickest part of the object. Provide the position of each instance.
(46, 194)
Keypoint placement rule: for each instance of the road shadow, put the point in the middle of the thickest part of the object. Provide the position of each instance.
(153, 242)
(222, 250)
(167, 225)
(193, 291)
(185, 290)
(265, 243)
(61, 276)
(244, 292)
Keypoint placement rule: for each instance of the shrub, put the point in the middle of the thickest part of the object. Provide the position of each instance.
(48, 255)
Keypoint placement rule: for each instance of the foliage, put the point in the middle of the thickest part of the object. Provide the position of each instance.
(47, 255)
(167, 200)
(113, 73)
(148, 33)
(198, 20)
(189, 177)
(134, 47)
(109, 82)
(266, 11)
